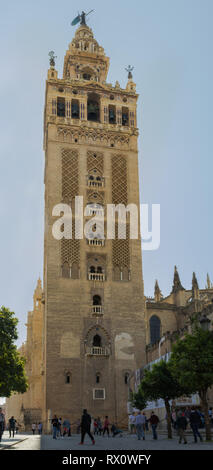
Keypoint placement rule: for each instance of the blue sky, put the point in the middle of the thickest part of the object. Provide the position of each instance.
(169, 43)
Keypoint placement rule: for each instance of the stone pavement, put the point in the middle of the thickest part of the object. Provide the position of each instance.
(127, 442)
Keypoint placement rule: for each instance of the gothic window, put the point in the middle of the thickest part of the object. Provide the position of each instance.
(99, 270)
(93, 107)
(66, 270)
(97, 341)
(155, 329)
(125, 116)
(61, 107)
(74, 271)
(75, 109)
(92, 269)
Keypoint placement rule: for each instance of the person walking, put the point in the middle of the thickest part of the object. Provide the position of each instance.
(106, 426)
(154, 420)
(85, 427)
(132, 423)
(2, 423)
(95, 426)
(140, 421)
(181, 425)
(40, 427)
(194, 419)
(12, 426)
(55, 426)
(33, 428)
(146, 426)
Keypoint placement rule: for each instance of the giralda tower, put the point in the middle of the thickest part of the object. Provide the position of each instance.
(94, 335)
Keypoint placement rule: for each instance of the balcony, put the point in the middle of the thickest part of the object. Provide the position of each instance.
(97, 310)
(95, 242)
(96, 277)
(96, 351)
(94, 183)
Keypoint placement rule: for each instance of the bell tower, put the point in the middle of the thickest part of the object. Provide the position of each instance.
(94, 336)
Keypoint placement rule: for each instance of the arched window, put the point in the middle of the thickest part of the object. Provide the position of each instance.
(97, 378)
(92, 269)
(126, 378)
(96, 300)
(66, 270)
(68, 378)
(155, 329)
(99, 270)
(75, 109)
(93, 107)
(97, 341)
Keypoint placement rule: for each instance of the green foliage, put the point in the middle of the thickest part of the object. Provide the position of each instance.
(160, 383)
(192, 361)
(138, 400)
(12, 373)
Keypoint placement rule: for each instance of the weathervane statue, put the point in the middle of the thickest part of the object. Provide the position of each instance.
(129, 70)
(81, 18)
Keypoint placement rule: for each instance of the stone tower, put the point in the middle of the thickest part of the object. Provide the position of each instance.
(94, 335)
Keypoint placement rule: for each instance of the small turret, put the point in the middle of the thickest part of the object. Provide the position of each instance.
(158, 294)
(195, 288)
(177, 286)
(208, 282)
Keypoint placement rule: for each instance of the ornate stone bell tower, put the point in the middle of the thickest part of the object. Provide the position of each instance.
(94, 335)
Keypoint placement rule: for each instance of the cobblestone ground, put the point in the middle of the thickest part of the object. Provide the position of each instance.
(127, 442)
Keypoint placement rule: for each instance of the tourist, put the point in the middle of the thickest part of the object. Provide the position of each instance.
(66, 428)
(40, 427)
(85, 427)
(95, 424)
(181, 425)
(12, 426)
(55, 426)
(106, 426)
(2, 423)
(154, 420)
(194, 419)
(100, 429)
(140, 423)
(115, 431)
(132, 423)
(33, 428)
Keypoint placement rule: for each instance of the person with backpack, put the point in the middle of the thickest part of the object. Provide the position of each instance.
(181, 425)
(85, 427)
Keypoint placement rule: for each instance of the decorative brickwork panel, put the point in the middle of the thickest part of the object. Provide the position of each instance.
(95, 160)
(120, 251)
(70, 249)
(69, 174)
(119, 180)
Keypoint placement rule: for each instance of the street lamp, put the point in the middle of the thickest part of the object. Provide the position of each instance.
(204, 322)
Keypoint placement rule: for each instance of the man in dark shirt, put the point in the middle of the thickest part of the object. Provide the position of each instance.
(12, 425)
(85, 427)
(55, 426)
(194, 419)
(154, 420)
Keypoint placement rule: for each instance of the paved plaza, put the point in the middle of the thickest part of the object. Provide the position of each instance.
(127, 442)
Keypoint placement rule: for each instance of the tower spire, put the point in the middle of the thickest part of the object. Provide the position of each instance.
(208, 285)
(158, 294)
(195, 287)
(176, 282)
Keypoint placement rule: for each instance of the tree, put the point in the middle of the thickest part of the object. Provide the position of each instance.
(192, 366)
(160, 383)
(12, 372)
(138, 399)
